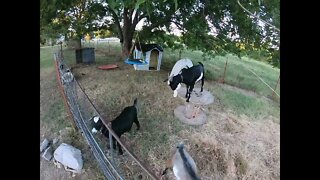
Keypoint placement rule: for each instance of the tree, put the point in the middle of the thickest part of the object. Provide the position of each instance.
(131, 12)
(73, 17)
(196, 19)
(215, 27)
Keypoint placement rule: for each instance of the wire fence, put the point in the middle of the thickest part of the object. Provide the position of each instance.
(82, 110)
(252, 77)
(243, 73)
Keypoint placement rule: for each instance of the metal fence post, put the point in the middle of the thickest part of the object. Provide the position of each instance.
(111, 147)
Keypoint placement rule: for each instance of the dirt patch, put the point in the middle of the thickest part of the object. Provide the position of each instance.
(243, 91)
(200, 118)
(197, 97)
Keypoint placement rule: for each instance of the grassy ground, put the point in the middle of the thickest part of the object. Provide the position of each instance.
(240, 140)
(237, 75)
(55, 123)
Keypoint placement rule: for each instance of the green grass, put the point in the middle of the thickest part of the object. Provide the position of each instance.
(46, 58)
(54, 117)
(237, 74)
(53, 109)
(255, 108)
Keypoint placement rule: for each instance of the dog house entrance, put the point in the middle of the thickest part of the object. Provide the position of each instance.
(154, 60)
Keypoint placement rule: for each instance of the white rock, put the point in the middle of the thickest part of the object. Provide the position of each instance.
(47, 155)
(69, 156)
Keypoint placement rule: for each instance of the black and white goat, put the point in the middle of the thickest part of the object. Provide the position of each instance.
(188, 76)
(182, 164)
(119, 125)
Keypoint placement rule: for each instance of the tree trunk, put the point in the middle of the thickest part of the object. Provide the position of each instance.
(78, 43)
(74, 43)
(126, 45)
(127, 32)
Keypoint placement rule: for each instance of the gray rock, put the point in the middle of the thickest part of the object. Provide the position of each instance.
(55, 140)
(47, 155)
(69, 156)
(44, 145)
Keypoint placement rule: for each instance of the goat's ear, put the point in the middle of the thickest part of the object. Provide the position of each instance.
(165, 80)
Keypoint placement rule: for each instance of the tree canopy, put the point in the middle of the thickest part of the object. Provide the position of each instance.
(72, 18)
(215, 27)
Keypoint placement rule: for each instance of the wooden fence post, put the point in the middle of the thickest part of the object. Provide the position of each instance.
(224, 73)
(109, 46)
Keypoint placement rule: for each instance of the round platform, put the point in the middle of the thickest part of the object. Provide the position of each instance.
(199, 119)
(197, 97)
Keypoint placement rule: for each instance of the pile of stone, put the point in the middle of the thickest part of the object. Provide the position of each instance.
(66, 155)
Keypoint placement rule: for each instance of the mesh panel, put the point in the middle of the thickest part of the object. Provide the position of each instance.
(82, 111)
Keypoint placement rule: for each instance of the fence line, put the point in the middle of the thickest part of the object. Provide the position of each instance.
(71, 90)
(263, 82)
(273, 90)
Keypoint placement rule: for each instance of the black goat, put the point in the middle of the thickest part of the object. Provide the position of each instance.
(120, 125)
(189, 77)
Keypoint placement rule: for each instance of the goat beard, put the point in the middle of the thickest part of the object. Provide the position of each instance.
(175, 92)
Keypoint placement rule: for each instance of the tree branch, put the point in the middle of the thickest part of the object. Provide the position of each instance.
(160, 22)
(130, 14)
(136, 18)
(180, 26)
(125, 15)
(257, 17)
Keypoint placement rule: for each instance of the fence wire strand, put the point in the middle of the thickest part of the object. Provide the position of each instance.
(82, 110)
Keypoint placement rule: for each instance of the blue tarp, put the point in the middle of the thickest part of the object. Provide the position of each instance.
(135, 61)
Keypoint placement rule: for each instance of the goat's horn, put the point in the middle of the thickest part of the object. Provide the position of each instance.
(164, 172)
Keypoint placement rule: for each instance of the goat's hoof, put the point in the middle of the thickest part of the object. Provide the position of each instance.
(57, 164)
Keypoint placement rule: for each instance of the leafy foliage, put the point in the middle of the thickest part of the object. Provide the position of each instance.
(214, 27)
(74, 18)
